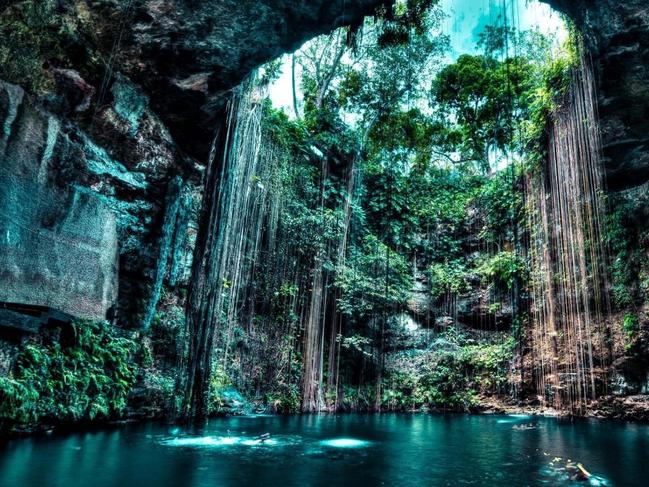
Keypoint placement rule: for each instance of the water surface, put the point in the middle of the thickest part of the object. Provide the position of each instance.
(327, 450)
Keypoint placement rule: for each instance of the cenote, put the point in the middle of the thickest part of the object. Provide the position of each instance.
(332, 242)
(388, 449)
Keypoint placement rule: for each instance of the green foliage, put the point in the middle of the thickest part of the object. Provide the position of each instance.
(406, 20)
(630, 324)
(450, 376)
(505, 267)
(81, 372)
(270, 73)
(390, 122)
(497, 103)
(631, 327)
(553, 79)
(288, 135)
(167, 332)
(357, 398)
(501, 201)
(448, 278)
(284, 398)
(489, 362)
(357, 343)
(482, 95)
(428, 149)
(627, 240)
(374, 278)
(219, 383)
(627, 244)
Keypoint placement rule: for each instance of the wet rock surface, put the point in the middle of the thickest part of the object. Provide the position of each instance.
(81, 215)
(58, 245)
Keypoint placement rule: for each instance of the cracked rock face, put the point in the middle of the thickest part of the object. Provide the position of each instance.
(58, 242)
(617, 35)
(79, 216)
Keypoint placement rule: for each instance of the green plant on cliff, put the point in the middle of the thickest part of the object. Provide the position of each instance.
(374, 279)
(505, 267)
(83, 371)
(452, 375)
(284, 398)
(489, 363)
(501, 202)
(631, 327)
(448, 278)
(553, 79)
(625, 258)
(219, 383)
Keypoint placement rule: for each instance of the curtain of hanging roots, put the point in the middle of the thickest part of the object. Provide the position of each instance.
(567, 253)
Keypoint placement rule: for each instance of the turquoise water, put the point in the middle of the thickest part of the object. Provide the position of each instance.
(327, 450)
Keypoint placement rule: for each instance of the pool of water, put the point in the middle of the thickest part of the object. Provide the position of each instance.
(327, 450)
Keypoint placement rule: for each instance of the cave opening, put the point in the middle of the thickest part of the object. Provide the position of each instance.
(450, 187)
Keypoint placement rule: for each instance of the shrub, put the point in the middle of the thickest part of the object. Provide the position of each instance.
(284, 398)
(448, 278)
(631, 327)
(81, 371)
(504, 267)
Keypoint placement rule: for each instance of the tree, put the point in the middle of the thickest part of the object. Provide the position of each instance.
(480, 98)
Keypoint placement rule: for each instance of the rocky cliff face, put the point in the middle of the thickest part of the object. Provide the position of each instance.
(617, 34)
(73, 217)
(58, 247)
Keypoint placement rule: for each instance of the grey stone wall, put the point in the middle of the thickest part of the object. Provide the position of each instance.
(58, 243)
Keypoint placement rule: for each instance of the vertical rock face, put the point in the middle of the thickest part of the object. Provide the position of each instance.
(79, 228)
(617, 34)
(58, 243)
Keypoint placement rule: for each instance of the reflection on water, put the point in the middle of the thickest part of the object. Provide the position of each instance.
(216, 441)
(260, 441)
(203, 441)
(514, 418)
(345, 443)
(327, 450)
